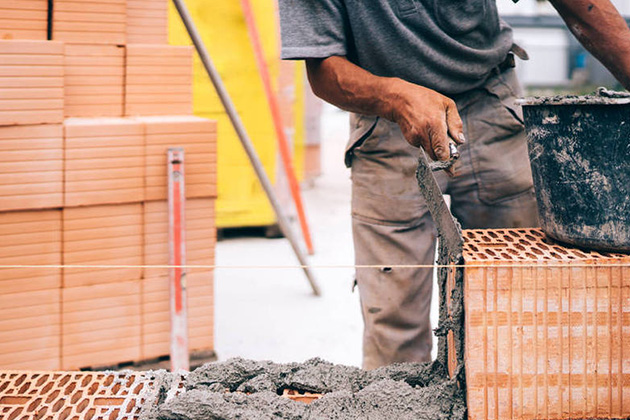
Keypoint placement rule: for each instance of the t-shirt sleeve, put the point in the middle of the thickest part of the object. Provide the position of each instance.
(313, 28)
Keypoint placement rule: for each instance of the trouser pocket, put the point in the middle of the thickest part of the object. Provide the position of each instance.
(361, 128)
(498, 145)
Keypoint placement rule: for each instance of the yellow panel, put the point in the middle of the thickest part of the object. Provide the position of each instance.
(241, 201)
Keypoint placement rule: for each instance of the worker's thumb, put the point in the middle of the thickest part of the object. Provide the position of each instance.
(454, 123)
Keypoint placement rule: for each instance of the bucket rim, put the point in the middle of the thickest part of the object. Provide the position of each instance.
(571, 100)
(602, 96)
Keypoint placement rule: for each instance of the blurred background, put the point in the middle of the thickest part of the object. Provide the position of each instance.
(557, 61)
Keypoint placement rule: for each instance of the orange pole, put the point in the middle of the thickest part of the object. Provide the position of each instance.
(283, 143)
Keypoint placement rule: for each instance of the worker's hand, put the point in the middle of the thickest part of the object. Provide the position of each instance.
(426, 118)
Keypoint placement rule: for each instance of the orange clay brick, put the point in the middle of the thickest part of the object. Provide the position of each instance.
(92, 395)
(545, 341)
(102, 236)
(30, 238)
(104, 161)
(94, 80)
(201, 235)
(156, 314)
(90, 21)
(30, 330)
(158, 80)
(198, 137)
(31, 169)
(31, 82)
(24, 19)
(76, 395)
(147, 22)
(100, 324)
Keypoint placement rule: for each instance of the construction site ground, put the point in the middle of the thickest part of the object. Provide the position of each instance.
(270, 314)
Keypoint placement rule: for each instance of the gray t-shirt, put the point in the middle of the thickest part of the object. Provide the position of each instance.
(447, 45)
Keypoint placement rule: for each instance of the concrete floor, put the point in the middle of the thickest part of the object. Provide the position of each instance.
(271, 313)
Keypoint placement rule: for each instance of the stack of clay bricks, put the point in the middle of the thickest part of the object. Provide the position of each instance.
(547, 329)
(86, 119)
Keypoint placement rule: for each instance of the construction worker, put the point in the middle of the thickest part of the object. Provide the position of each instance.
(421, 73)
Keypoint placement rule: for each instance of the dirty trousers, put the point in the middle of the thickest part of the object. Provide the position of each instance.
(391, 223)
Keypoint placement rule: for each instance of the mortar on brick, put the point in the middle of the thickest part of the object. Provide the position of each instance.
(405, 391)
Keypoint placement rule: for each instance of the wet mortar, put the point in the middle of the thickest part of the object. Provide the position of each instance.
(246, 389)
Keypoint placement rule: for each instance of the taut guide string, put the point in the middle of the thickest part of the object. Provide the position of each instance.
(332, 266)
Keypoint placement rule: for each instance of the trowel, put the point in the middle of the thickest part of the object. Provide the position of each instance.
(448, 228)
(450, 279)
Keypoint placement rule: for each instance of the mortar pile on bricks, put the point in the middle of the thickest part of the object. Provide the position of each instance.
(86, 118)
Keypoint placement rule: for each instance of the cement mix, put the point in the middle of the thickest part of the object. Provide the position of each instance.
(245, 389)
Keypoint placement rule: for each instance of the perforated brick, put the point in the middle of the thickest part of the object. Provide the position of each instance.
(92, 395)
(74, 395)
(547, 328)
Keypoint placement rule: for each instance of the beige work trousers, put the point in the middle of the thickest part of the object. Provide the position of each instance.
(392, 226)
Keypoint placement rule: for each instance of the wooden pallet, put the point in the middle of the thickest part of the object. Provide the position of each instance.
(197, 358)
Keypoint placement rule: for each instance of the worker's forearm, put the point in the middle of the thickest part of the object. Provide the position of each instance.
(426, 118)
(349, 87)
(600, 28)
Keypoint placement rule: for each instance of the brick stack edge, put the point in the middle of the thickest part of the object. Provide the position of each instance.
(85, 122)
(545, 342)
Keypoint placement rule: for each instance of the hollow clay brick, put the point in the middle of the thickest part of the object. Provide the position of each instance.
(200, 235)
(104, 161)
(158, 80)
(156, 314)
(31, 171)
(31, 82)
(545, 341)
(100, 324)
(94, 80)
(30, 329)
(24, 19)
(30, 238)
(197, 136)
(101, 236)
(147, 22)
(75, 395)
(90, 21)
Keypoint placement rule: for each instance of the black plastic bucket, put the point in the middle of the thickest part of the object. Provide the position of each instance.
(579, 149)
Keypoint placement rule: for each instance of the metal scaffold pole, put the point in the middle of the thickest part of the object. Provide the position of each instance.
(212, 72)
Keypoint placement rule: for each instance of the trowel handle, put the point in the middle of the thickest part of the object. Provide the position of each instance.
(439, 165)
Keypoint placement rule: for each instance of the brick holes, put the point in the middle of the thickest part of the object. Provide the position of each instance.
(522, 245)
(73, 395)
